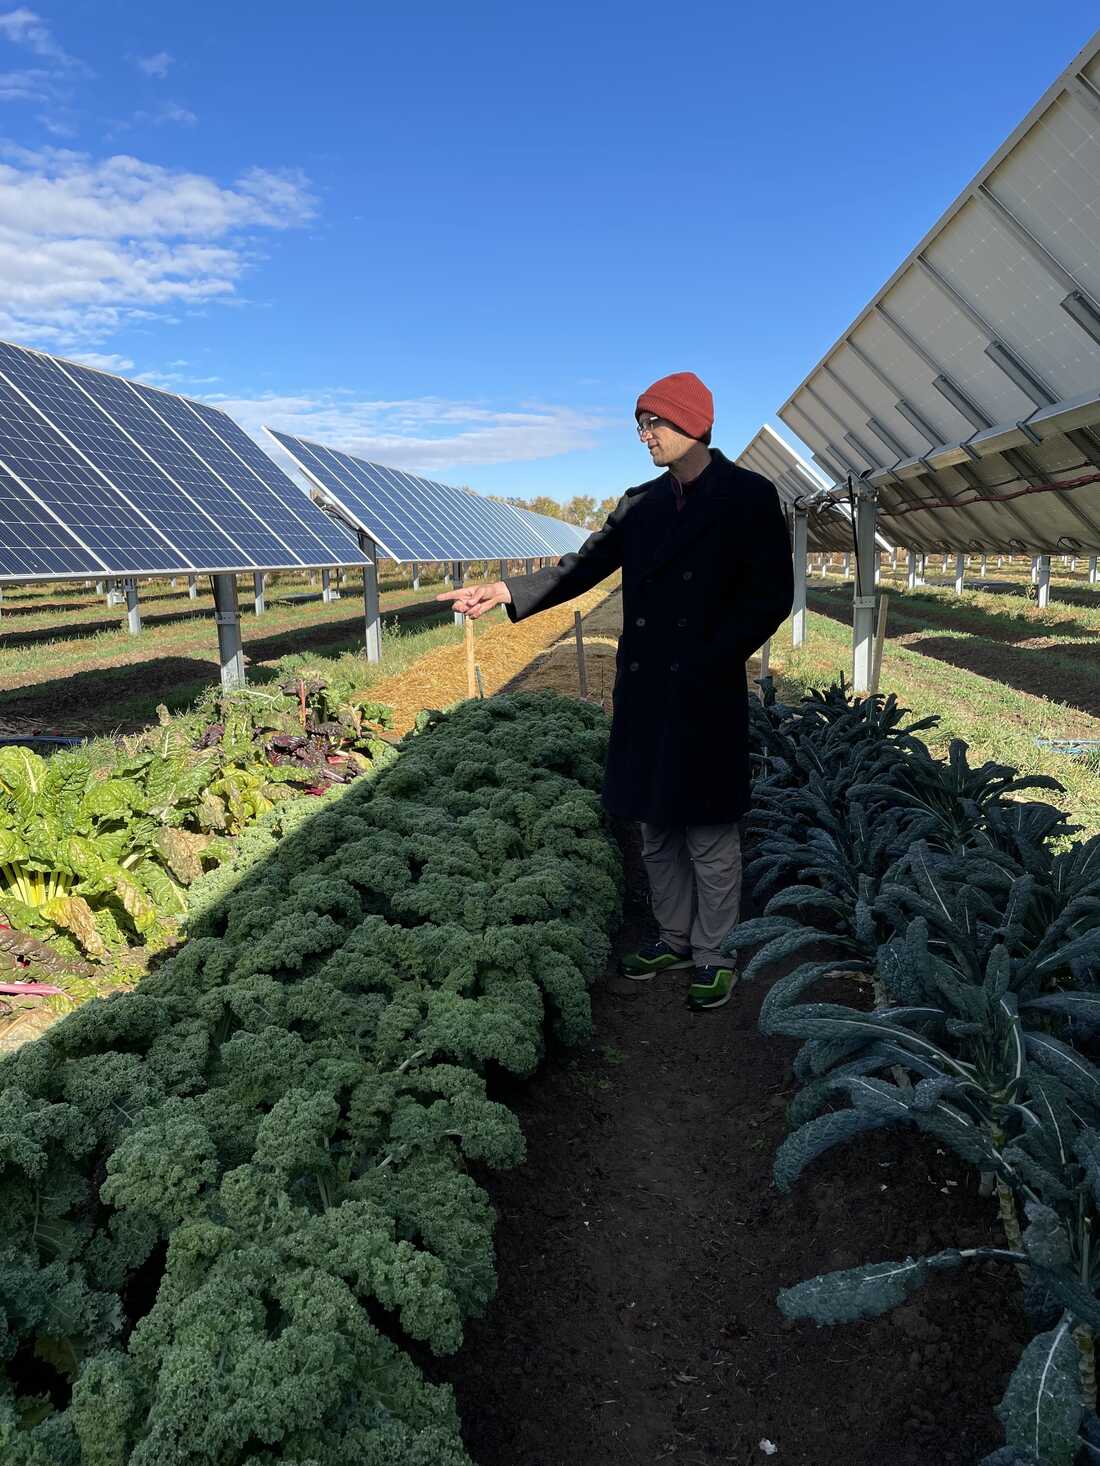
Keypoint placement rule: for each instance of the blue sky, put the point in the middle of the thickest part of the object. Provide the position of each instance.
(462, 238)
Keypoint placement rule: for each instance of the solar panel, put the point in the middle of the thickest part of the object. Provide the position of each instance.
(34, 543)
(411, 518)
(102, 475)
(560, 538)
(317, 541)
(61, 478)
(970, 378)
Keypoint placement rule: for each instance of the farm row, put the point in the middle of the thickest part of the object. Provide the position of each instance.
(955, 929)
(239, 1202)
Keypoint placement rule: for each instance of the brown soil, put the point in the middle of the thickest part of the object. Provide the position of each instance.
(641, 1247)
(501, 652)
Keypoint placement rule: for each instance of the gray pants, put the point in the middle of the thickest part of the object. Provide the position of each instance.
(695, 880)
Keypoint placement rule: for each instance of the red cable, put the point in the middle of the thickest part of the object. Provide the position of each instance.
(1076, 483)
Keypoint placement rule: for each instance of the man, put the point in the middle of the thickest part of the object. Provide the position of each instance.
(707, 578)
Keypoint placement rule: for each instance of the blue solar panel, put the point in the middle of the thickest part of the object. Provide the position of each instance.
(33, 542)
(318, 541)
(194, 536)
(255, 545)
(95, 515)
(561, 538)
(411, 518)
(101, 475)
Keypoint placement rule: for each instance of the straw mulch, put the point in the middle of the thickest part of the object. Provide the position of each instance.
(501, 651)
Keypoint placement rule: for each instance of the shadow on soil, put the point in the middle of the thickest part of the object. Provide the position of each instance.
(1059, 671)
(931, 612)
(123, 698)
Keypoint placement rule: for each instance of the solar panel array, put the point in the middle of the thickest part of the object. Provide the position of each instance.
(103, 476)
(975, 371)
(415, 519)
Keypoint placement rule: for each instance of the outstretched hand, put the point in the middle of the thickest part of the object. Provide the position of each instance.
(475, 600)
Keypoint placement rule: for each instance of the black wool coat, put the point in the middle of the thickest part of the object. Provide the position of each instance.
(704, 587)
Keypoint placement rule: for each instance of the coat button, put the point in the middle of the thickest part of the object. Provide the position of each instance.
(640, 621)
(674, 667)
(634, 666)
(683, 621)
(687, 574)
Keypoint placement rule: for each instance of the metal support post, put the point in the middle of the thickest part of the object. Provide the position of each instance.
(863, 599)
(100, 587)
(765, 659)
(911, 579)
(1035, 569)
(946, 560)
(133, 610)
(457, 580)
(502, 573)
(227, 615)
(258, 592)
(847, 566)
(172, 583)
(371, 614)
(798, 616)
(327, 592)
(1043, 581)
(528, 567)
(982, 572)
(192, 588)
(415, 575)
(1092, 570)
(960, 574)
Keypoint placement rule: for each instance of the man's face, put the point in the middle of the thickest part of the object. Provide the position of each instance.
(666, 444)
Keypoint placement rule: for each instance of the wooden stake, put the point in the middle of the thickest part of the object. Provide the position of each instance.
(471, 680)
(582, 668)
(880, 637)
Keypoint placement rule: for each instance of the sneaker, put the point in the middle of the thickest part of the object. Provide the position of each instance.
(657, 957)
(712, 987)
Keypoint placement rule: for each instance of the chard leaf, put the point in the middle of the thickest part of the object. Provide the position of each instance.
(1041, 1408)
(862, 1292)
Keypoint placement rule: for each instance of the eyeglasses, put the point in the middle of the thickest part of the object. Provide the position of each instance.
(650, 425)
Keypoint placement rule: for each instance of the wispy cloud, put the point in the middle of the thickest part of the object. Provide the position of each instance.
(156, 65)
(167, 112)
(427, 434)
(23, 27)
(89, 245)
(106, 361)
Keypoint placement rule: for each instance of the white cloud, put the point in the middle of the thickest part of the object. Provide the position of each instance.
(155, 65)
(87, 245)
(23, 27)
(166, 112)
(424, 434)
(33, 85)
(106, 361)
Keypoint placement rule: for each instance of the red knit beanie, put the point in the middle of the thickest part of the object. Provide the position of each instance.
(683, 399)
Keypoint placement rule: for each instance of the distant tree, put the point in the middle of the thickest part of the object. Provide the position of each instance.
(581, 510)
(543, 504)
(606, 507)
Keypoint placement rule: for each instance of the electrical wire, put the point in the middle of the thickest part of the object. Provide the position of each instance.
(1076, 483)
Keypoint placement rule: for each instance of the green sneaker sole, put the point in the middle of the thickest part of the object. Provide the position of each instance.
(643, 974)
(700, 999)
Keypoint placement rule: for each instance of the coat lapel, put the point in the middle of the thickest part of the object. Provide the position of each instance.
(668, 531)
